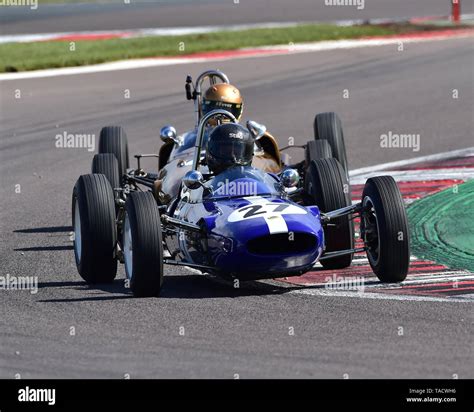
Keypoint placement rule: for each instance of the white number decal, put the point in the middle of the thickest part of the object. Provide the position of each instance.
(265, 210)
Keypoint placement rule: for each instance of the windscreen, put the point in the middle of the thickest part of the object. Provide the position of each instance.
(242, 181)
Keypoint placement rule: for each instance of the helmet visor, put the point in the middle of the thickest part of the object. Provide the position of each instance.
(210, 105)
(233, 152)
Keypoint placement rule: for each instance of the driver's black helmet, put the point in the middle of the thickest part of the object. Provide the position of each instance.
(229, 145)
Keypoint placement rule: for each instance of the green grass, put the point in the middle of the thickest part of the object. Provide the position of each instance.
(52, 54)
(442, 228)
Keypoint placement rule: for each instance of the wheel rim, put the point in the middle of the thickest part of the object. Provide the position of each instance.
(128, 247)
(370, 231)
(77, 232)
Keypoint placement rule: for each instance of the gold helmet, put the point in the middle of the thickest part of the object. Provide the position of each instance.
(223, 96)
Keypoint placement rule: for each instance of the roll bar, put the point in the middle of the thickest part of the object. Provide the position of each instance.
(196, 94)
(202, 128)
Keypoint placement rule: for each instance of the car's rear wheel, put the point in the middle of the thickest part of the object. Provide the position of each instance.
(107, 165)
(142, 245)
(384, 229)
(317, 149)
(114, 140)
(328, 126)
(328, 188)
(95, 232)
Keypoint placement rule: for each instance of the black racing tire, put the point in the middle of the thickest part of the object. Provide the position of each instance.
(326, 184)
(317, 149)
(384, 228)
(95, 231)
(107, 165)
(142, 236)
(114, 140)
(328, 126)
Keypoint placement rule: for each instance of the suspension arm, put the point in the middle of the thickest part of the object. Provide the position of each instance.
(181, 224)
(330, 255)
(192, 265)
(348, 210)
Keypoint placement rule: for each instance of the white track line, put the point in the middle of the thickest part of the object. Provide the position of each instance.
(372, 282)
(181, 31)
(266, 52)
(420, 280)
(126, 34)
(419, 175)
(381, 296)
(422, 159)
(96, 68)
(466, 296)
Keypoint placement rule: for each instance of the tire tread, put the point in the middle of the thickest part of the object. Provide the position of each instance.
(332, 192)
(98, 229)
(328, 126)
(147, 244)
(113, 139)
(317, 149)
(395, 254)
(107, 164)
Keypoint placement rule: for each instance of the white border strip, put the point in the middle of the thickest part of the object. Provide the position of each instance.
(96, 68)
(127, 34)
(180, 31)
(419, 175)
(401, 163)
(265, 51)
(376, 295)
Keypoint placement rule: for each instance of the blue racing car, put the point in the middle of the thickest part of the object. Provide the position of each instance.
(226, 216)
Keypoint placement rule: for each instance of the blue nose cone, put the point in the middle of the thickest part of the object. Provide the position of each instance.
(264, 239)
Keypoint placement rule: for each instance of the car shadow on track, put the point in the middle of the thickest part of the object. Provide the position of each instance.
(43, 248)
(192, 286)
(46, 229)
(185, 286)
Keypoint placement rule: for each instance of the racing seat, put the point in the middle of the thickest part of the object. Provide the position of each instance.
(270, 159)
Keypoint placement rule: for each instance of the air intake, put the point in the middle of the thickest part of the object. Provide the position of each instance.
(282, 243)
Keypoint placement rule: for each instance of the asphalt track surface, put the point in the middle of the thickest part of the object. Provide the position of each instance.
(176, 13)
(226, 331)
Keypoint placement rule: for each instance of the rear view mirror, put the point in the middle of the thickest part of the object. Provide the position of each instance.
(290, 178)
(193, 179)
(168, 133)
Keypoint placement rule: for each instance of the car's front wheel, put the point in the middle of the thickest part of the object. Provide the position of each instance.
(142, 245)
(384, 229)
(95, 232)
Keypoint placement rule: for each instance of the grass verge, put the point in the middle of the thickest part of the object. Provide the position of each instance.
(54, 54)
(442, 227)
